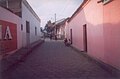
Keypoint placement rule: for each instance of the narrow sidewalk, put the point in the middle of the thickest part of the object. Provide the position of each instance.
(11, 60)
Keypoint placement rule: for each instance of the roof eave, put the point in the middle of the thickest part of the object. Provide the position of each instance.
(79, 9)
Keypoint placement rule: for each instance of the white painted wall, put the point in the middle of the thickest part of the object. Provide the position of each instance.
(28, 16)
(10, 17)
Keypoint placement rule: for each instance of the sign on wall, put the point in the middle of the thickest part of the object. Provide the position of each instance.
(8, 36)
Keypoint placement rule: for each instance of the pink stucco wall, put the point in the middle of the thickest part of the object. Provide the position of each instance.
(102, 31)
(112, 33)
(93, 13)
(94, 20)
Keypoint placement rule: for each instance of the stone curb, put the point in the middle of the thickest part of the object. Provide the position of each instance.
(19, 56)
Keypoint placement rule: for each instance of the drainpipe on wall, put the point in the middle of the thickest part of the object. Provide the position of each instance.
(7, 3)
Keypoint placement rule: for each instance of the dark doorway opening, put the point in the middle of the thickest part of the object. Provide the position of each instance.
(71, 36)
(85, 37)
(27, 33)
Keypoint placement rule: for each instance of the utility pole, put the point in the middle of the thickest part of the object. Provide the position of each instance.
(55, 28)
(55, 17)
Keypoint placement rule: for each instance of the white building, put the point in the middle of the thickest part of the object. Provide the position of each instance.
(30, 23)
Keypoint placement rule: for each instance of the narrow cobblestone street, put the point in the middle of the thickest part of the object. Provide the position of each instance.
(53, 60)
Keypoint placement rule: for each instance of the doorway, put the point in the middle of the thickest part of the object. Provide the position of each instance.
(71, 36)
(27, 33)
(85, 37)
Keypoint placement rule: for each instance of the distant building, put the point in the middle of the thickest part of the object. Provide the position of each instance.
(95, 29)
(60, 28)
(19, 25)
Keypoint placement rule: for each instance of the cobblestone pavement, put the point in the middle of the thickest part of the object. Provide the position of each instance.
(53, 60)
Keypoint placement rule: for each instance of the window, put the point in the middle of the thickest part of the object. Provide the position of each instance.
(35, 30)
(27, 27)
(106, 1)
(21, 27)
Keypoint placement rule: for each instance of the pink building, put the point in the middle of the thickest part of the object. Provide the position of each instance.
(19, 26)
(95, 28)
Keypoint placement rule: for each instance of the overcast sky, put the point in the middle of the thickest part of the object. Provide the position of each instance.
(46, 9)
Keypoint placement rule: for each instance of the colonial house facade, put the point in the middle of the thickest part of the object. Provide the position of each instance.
(56, 29)
(95, 29)
(60, 28)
